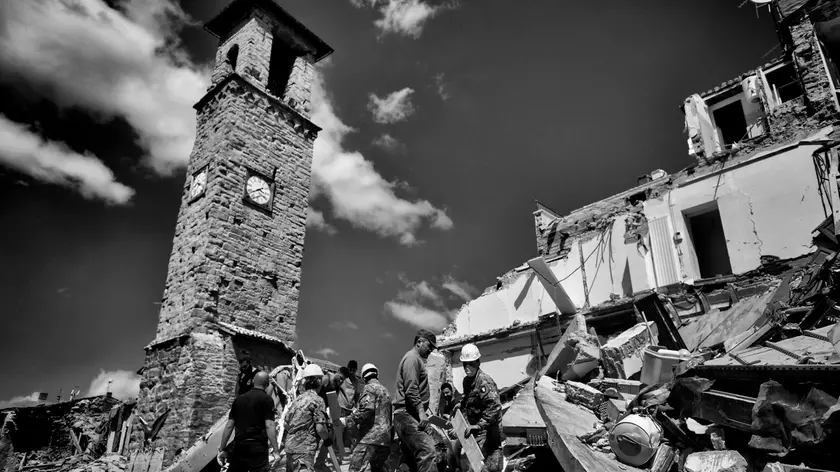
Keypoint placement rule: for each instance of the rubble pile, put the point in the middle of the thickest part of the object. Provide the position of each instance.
(755, 388)
(58, 437)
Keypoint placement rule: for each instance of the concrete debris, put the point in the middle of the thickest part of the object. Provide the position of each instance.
(622, 356)
(583, 395)
(716, 461)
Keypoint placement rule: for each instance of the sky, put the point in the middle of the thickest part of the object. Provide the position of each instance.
(442, 123)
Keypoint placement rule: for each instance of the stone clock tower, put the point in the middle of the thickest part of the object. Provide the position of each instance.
(234, 271)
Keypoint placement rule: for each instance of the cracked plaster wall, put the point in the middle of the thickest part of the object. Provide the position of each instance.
(767, 207)
(611, 267)
(507, 361)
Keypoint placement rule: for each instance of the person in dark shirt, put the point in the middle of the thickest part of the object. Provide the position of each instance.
(450, 400)
(246, 373)
(411, 405)
(252, 417)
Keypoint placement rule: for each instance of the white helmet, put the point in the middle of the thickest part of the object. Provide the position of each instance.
(313, 370)
(470, 353)
(367, 368)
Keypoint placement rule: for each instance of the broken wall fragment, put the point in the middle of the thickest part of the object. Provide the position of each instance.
(621, 357)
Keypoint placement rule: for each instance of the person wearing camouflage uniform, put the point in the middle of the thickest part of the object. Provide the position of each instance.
(482, 409)
(373, 419)
(306, 423)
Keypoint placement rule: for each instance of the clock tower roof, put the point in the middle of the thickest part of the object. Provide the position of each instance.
(224, 22)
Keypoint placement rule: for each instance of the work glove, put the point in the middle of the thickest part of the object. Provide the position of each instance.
(471, 431)
(221, 458)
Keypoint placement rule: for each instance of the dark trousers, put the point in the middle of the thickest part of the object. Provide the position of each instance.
(249, 456)
(417, 446)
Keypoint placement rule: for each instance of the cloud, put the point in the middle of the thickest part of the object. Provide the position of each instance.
(315, 219)
(387, 142)
(55, 163)
(386, 335)
(357, 192)
(326, 352)
(125, 385)
(442, 88)
(394, 107)
(129, 64)
(418, 316)
(423, 305)
(463, 290)
(124, 63)
(405, 17)
(22, 401)
(343, 325)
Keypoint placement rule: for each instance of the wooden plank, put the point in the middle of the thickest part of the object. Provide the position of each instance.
(564, 423)
(109, 446)
(140, 462)
(156, 462)
(832, 188)
(473, 452)
(334, 459)
(204, 450)
(75, 441)
(332, 404)
(124, 439)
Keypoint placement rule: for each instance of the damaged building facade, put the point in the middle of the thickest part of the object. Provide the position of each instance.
(725, 236)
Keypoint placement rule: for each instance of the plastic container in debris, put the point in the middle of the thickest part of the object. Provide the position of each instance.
(658, 364)
(635, 438)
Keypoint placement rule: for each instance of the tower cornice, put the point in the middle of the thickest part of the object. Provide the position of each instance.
(300, 123)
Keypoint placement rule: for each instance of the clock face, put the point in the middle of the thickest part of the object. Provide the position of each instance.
(258, 190)
(198, 184)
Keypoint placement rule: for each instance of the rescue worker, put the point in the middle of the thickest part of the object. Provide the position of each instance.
(411, 404)
(450, 400)
(482, 409)
(373, 420)
(252, 416)
(306, 424)
(246, 373)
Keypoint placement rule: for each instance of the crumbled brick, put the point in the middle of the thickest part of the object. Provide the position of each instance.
(621, 357)
(583, 395)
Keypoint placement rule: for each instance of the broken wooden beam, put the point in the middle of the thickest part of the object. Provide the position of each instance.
(654, 310)
(473, 452)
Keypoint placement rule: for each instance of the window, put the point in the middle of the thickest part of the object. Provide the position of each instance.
(784, 83)
(706, 231)
(731, 121)
(232, 55)
(280, 67)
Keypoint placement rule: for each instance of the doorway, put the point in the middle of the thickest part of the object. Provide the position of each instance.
(706, 230)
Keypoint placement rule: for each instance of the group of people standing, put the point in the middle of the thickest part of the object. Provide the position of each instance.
(369, 410)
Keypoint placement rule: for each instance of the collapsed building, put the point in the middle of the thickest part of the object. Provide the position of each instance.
(728, 262)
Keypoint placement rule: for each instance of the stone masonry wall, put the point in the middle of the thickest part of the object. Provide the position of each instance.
(255, 36)
(195, 377)
(231, 262)
(809, 65)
